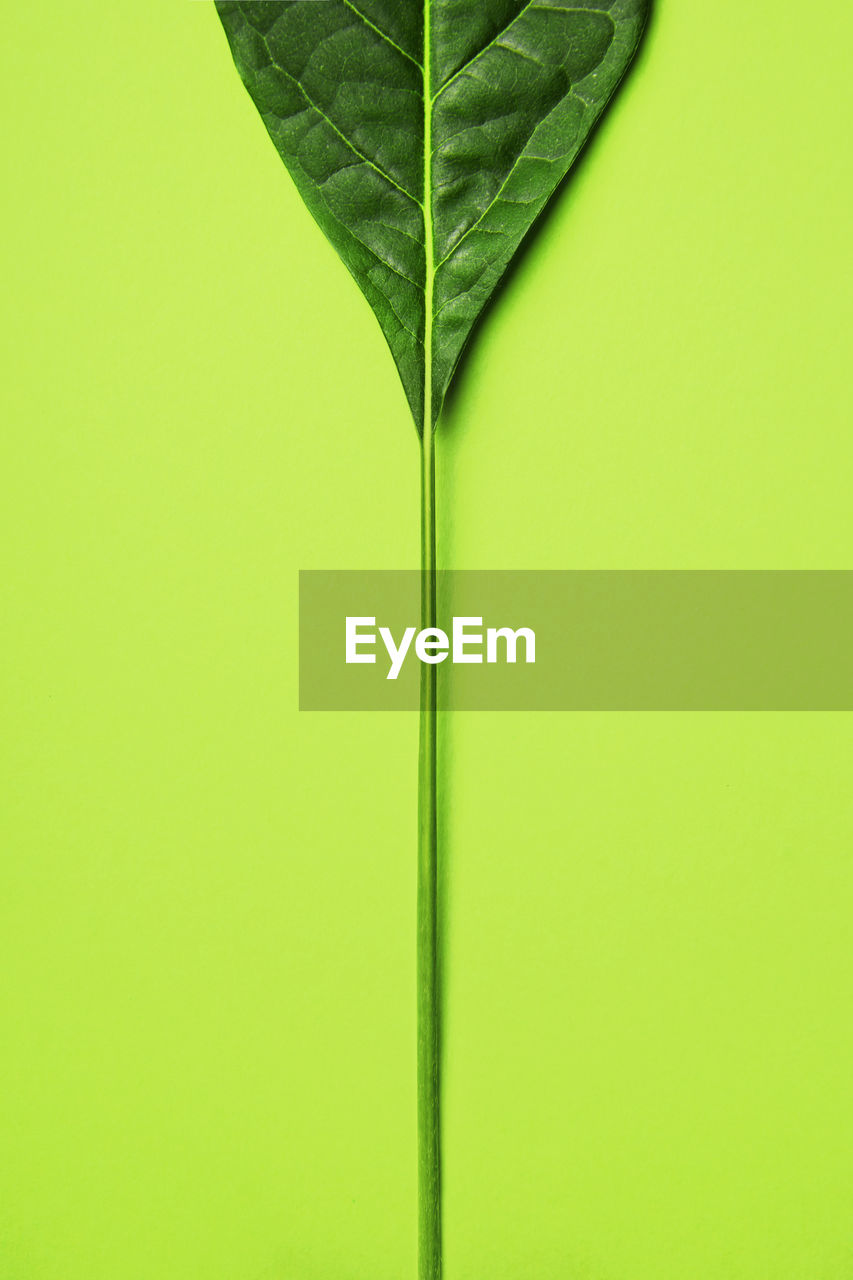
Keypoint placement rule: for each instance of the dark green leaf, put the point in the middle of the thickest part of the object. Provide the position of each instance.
(505, 91)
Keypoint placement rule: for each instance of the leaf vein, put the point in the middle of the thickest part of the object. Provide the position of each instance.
(383, 34)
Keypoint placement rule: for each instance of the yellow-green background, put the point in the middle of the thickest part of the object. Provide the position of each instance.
(207, 898)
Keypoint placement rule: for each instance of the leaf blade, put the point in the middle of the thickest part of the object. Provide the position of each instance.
(427, 138)
(587, 55)
(293, 58)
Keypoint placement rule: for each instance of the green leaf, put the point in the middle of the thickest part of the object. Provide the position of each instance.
(426, 136)
(505, 91)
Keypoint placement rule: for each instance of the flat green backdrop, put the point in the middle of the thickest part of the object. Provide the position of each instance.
(207, 898)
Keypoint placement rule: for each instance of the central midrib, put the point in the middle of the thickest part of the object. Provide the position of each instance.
(429, 255)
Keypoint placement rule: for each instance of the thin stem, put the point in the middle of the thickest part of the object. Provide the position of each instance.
(429, 1135)
(429, 1142)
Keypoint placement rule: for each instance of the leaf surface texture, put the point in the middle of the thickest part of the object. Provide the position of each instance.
(426, 136)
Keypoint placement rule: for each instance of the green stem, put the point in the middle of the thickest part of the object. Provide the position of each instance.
(429, 1142)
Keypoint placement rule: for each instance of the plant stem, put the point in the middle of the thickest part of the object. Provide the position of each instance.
(429, 1131)
(429, 1141)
